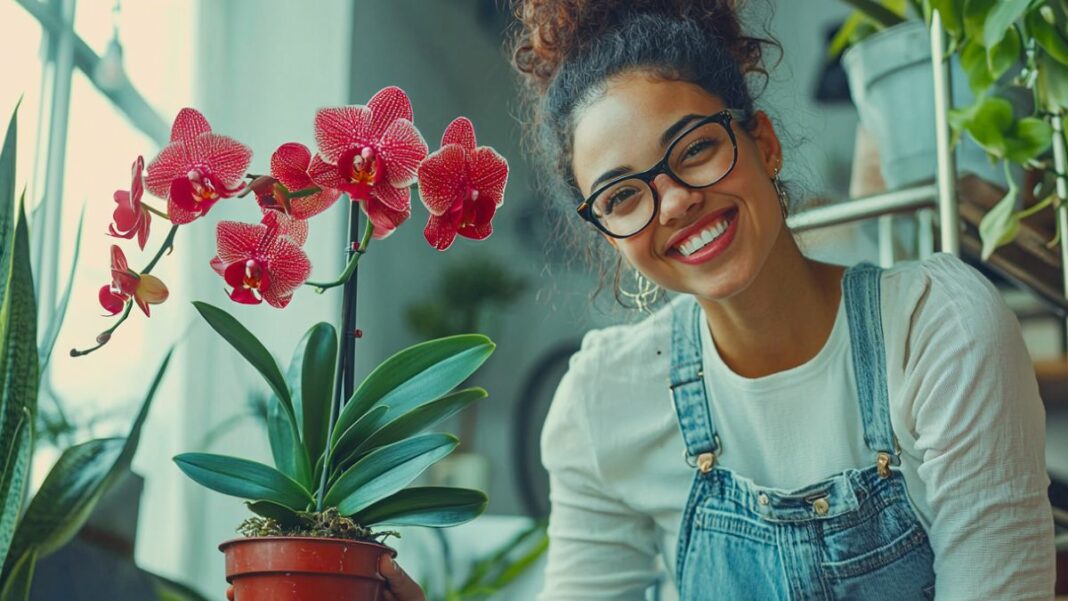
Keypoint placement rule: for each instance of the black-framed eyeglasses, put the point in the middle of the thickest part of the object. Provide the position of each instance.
(698, 158)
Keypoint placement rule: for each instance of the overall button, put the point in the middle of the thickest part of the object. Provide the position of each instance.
(762, 499)
(821, 506)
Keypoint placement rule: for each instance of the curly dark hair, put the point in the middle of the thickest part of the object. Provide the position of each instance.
(567, 50)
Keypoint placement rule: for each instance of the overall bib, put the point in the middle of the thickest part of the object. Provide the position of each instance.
(852, 536)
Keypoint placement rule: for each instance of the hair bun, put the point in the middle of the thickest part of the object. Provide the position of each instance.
(553, 30)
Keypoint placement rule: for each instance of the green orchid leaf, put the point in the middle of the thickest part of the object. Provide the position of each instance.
(1002, 56)
(974, 63)
(415, 375)
(1001, 19)
(1000, 225)
(249, 346)
(367, 425)
(311, 384)
(279, 513)
(290, 456)
(387, 470)
(17, 583)
(420, 418)
(244, 479)
(1031, 137)
(435, 507)
(76, 483)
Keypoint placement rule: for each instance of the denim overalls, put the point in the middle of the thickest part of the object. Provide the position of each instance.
(851, 536)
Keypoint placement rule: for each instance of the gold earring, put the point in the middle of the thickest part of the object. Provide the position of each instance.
(780, 191)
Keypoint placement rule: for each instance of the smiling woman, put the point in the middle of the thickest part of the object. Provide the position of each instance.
(847, 431)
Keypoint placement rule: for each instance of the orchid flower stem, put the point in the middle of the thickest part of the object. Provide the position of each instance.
(321, 287)
(167, 245)
(304, 192)
(106, 334)
(156, 211)
(346, 351)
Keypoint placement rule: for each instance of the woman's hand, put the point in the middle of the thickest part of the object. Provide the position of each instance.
(399, 586)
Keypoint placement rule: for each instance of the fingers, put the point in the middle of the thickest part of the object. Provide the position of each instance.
(401, 586)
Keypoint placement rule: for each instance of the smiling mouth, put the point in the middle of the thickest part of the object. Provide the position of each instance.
(707, 235)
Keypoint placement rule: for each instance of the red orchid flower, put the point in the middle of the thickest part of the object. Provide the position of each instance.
(461, 185)
(372, 154)
(289, 167)
(143, 288)
(131, 218)
(197, 168)
(261, 262)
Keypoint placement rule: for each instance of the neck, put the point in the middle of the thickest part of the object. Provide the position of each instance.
(782, 319)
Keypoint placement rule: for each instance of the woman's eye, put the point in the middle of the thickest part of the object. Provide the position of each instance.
(617, 198)
(696, 148)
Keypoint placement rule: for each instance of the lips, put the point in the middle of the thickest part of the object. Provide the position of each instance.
(695, 228)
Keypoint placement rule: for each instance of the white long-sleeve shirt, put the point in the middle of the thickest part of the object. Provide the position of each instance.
(964, 406)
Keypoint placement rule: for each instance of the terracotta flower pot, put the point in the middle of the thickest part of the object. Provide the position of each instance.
(303, 569)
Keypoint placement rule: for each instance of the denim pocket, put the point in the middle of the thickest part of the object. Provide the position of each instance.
(914, 539)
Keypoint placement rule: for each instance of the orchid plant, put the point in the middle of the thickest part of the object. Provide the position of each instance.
(343, 454)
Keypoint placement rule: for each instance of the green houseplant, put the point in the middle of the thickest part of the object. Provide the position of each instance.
(343, 455)
(1007, 49)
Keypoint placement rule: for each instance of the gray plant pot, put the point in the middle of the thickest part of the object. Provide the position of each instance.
(892, 84)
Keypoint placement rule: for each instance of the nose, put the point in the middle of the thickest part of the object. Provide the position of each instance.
(676, 200)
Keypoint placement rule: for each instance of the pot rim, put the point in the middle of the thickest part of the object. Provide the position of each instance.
(326, 539)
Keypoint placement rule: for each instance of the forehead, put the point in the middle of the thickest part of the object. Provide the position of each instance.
(623, 126)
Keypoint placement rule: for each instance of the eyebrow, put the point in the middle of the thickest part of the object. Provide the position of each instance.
(665, 138)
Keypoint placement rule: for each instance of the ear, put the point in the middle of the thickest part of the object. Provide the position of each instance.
(767, 142)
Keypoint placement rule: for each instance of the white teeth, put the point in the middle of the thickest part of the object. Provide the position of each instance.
(703, 238)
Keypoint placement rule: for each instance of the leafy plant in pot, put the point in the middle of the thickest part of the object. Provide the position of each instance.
(1011, 53)
(344, 455)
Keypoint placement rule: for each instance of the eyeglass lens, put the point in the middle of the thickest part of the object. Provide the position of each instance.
(699, 158)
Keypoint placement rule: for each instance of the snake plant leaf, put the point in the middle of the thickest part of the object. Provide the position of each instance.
(74, 486)
(16, 469)
(244, 479)
(421, 418)
(17, 584)
(18, 356)
(249, 346)
(290, 456)
(311, 380)
(432, 506)
(387, 470)
(416, 375)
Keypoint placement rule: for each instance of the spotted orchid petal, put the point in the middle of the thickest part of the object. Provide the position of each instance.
(443, 179)
(461, 131)
(290, 166)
